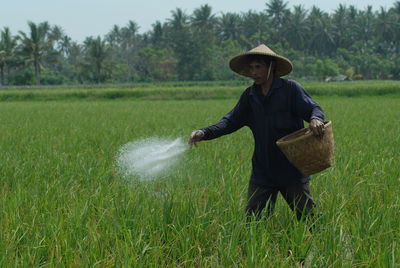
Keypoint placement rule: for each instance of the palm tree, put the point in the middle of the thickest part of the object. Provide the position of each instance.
(180, 39)
(35, 46)
(56, 33)
(76, 62)
(7, 51)
(179, 19)
(229, 26)
(396, 7)
(396, 10)
(2, 64)
(278, 11)
(321, 40)
(113, 38)
(129, 35)
(203, 27)
(297, 29)
(204, 23)
(178, 28)
(340, 25)
(352, 30)
(254, 29)
(365, 23)
(96, 53)
(385, 25)
(203, 18)
(157, 35)
(130, 43)
(65, 45)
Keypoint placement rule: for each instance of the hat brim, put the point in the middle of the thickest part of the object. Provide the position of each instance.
(241, 64)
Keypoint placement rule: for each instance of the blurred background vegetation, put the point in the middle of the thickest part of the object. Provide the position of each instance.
(358, 44)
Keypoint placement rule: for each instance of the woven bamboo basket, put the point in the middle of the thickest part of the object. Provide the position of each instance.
(306, 152)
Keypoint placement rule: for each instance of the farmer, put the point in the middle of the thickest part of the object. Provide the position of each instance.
(272, 107)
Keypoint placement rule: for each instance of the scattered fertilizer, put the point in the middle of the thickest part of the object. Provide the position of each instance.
(150, 158)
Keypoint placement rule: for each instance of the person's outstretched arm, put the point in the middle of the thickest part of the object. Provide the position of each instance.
(232, 121)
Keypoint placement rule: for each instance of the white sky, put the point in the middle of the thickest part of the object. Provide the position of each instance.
(82, 18)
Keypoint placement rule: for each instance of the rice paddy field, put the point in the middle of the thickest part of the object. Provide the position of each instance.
(63, 203)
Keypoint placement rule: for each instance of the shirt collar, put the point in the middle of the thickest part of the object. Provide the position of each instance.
(276, 83)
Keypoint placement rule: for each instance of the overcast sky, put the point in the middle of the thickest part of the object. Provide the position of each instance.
(82, 18)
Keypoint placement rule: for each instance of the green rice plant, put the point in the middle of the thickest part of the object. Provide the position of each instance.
(63, 203)
(189, 90)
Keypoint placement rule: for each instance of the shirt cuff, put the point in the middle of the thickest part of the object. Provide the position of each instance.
(315, 117)
(205, 137)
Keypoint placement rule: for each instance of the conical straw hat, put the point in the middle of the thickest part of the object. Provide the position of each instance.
(240, 63)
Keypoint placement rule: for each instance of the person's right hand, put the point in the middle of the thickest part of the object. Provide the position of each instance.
(195, 137)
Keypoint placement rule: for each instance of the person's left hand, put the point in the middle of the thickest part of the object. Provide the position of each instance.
(317, 127)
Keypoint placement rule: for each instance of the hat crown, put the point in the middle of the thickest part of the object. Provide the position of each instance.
(261, 49)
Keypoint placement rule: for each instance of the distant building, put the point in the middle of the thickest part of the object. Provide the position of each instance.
(338, 78)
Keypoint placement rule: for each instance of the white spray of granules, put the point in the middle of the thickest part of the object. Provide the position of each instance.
(150, 158)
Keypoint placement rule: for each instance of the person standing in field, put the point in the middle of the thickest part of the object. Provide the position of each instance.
(272, 107)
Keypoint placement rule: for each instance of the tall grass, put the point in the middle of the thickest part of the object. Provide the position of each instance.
(190, 90)
(63, 204)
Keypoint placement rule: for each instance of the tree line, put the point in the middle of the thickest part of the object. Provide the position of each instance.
(361, 44)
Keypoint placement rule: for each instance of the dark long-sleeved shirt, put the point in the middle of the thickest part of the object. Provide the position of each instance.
(270, 117)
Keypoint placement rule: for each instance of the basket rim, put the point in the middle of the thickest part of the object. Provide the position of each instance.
(284, 140)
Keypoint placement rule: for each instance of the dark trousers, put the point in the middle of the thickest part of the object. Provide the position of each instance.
(296, 195)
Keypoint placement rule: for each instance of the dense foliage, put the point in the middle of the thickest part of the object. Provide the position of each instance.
(361, 44)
